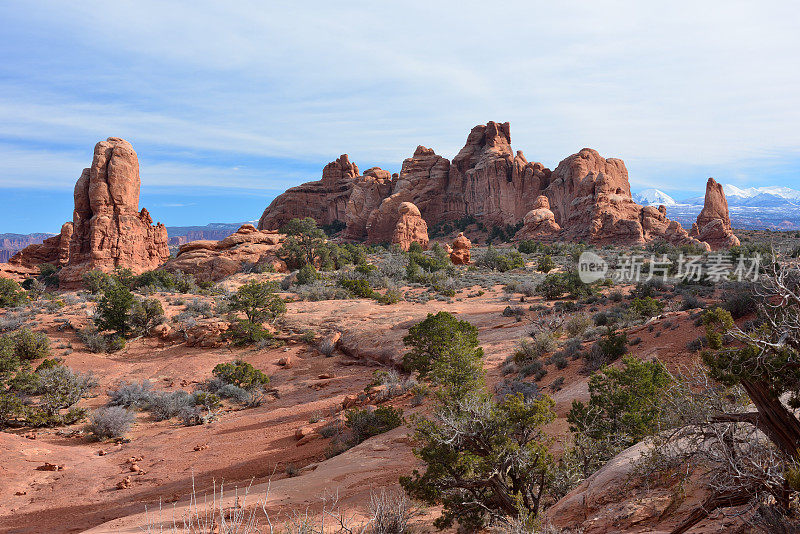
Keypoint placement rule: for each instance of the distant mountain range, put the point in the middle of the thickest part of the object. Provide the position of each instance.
(10, 244)
(773, 207)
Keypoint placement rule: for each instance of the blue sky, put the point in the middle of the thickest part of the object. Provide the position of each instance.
(228, 104)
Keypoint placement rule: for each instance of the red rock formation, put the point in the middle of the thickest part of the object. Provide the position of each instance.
(459, 252)
(714, 223)
(324, 200)
(422, 179)
(540, 222)
(210, 261)
(656, 226)
(368, 193)
(488, 181)
(410, 227)
(589, 196)
(107, 230)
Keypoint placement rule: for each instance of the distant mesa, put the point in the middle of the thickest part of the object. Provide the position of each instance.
(107, 230)
(586, 198)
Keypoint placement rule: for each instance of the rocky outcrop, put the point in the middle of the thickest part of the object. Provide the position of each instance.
(540, 222)
(368, 193)
(714, 223)
(488, 181)
(422, 179)
(588, 197)
(324, 200)
(211, 261)
(656, 227)
(460, 251)
(410, 227)
(107, 229)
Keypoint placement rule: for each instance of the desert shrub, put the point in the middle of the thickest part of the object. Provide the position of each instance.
(242, 332)
(11, 294)
(531, 368)
(96, 281)
(113, 309)
(241, 374)
(529, 390)
(60, 388)
(514, 311)
(533, 349)
(167, 281)
(144, 315)
(394, 267)
(232, 391)
(739, 303)
(690, 302)
(625, 406)
(445, 350)
(27, 344)
(306, 274)
(95, 341)
(364, 424)
(646, 307)
(390, 513)
(528, 246)
(556, 285)
(559, 359)
(110, 423)
(198, 307)
(359, 287)
(546, 264)
(612, 346)
(304, 243)
(132, 395)
(258, 301)
(484, 460)
(577, 325)
(320, 290)
(167, 405)
(48, 275)
(497, 261)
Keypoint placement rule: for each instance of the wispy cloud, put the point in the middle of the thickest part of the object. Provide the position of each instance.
(260, 95)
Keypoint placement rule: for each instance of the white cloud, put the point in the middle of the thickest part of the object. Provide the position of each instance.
(686, 83)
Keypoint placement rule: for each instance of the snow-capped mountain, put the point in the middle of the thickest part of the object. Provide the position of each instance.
(773, 207)
(653, 197)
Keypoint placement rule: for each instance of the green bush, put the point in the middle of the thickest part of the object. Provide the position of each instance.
(624, 406)
(96, 281)
(29, 345)
(48, 275)
(546, 264)
(241, 374)
(556, 285)
(646, 307)
(243, 332)
(304, 243)
(306, 275)
(11, 294)
(167, 281)
(492, 259)
(113, 309)
(446, 350)
(484, 460)
(145, 314)
(258, 301)
(365, 423)
(359, 287)
(528, 246)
